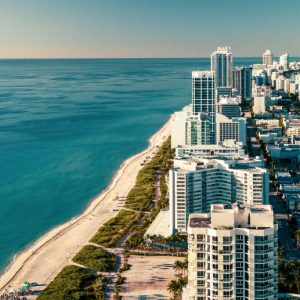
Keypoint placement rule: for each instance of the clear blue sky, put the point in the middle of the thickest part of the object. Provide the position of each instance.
(147, 28)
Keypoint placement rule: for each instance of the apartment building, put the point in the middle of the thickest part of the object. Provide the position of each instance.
(232, 254)
(195, 184)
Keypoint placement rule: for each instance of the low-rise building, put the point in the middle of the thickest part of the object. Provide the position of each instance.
(227, 149)
(229, 107)
(230, 129)
(284, 152)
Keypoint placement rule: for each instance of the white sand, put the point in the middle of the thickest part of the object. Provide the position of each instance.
(43, 260)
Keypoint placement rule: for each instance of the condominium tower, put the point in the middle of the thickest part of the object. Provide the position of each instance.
(203, 97)
(242, 82)
(196, 184)
(221, 65)
(232, 254)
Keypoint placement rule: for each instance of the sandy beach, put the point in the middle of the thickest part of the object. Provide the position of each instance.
(44, 259)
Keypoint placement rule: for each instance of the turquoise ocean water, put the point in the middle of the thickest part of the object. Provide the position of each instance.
(66, 126)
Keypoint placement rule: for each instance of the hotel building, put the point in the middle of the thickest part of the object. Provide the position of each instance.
(230, 129)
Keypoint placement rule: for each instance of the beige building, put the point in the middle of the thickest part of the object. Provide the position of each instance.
(232, 254)
(268, 58)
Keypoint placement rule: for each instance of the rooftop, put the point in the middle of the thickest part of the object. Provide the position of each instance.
(229, 217)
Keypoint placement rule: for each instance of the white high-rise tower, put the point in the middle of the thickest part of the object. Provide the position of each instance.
(233, 254)
(284, 60)
(221, 64)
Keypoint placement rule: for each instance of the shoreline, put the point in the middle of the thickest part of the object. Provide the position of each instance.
(44, 258)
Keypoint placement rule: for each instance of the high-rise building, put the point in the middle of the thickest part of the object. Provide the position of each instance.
(221, 65)
(230, 129)
(196, 184)
(242, 81)
(267, 58)
(284, 60)
(203, 97)
(232, 254)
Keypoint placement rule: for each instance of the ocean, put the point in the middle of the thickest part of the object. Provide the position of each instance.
(66, 125)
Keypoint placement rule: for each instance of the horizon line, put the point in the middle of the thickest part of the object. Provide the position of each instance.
(146, 57)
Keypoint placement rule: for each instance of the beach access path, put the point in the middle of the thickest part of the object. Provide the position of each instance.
(44, 259)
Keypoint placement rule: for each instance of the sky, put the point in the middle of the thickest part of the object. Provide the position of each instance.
(147, 28)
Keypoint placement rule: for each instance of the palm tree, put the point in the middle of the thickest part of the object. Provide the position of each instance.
(174, 288)
(182, 282)
(185, 265)
(178, 266)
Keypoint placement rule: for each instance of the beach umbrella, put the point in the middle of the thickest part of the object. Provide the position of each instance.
(25, 285)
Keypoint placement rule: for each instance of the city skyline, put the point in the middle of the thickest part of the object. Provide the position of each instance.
(138, 29)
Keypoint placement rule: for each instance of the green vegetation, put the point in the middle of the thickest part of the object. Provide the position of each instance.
(159, 165)
(112, 231)
(281, 124)
(141, 196)
(75, 283)
(176, 286)
(117, 287)
(97, 259)
(289, 275)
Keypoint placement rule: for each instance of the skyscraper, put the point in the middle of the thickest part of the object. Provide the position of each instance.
(267, 58)
(221, 64)
(242, 81)
(203, 97)
(232, 254)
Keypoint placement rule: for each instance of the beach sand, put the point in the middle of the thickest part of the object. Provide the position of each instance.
(44, 259)
(148, 277)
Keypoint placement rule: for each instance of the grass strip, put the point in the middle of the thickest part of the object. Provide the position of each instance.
(97, 259)
(112, 231)
(74, 283)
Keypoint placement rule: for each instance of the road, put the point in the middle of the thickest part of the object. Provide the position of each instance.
(255, 147)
